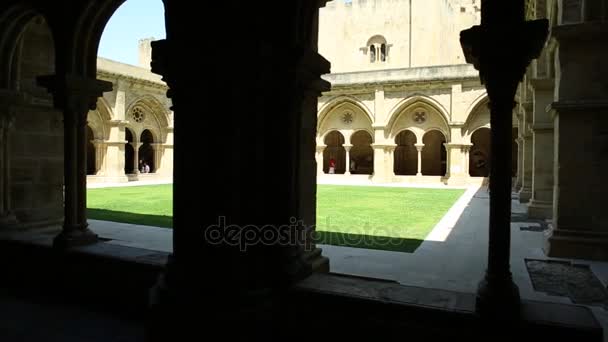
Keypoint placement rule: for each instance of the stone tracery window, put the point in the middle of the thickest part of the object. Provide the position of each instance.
(138, 114)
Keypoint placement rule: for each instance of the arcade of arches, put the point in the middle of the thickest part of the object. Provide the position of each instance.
(131, 126)
(416, 142)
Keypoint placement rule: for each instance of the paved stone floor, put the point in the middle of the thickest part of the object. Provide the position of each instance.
(26, 317)
(453, 257)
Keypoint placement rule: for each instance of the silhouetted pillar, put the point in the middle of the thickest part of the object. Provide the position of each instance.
(501, 49)
(347, 149)
(75, 96)
(228, 257)
(419, 148)
(7, 218)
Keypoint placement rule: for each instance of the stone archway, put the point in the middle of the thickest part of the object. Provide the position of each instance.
(479, 156)
(434, 156)
(361, 154)
(146, 151)
(91, 152)
(406, 154)
(129, 153)
(334, 151)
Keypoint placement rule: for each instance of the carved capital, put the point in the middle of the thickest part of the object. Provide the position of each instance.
(511, 47)
(310, 67)
(74, 94)
(386, 147)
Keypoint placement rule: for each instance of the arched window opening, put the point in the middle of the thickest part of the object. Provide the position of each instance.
(146, 152)
(406, 154)
(378, 49)
(334, 155)
(434, 156)
(129, 153)
(479, 156)
(361, 154)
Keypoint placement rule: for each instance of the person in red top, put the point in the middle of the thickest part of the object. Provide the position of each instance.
(332, 166)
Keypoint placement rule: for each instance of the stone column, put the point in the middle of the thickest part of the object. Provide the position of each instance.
(380, 172)
(520, 156)
(419, 148)
(580, 215)
(501, 55)
(541, 202)
(347, 148)
(158, 153)
(389, 155)
(466, 149)
(114, 159)
(525, 193)
(319, 159)
(75, 95)
(457, 163)
(100, 153)
(251, 277)
(136, 147)
(7, 218)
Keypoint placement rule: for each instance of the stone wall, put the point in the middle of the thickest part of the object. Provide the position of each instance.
(416, 32)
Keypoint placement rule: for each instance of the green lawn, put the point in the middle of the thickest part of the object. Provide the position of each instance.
(379, 217)
(357, 216)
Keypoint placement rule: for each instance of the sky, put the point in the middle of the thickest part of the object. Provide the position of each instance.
(134, 20)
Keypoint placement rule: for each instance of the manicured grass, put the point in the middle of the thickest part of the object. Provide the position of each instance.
(358, 216)
(146, 205)
(378, 217)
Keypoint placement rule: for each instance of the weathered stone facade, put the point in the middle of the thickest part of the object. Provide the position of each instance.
(404, 106)
(132, 123)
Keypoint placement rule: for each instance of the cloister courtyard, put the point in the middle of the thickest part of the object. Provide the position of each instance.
(416, 236)
(384, 218)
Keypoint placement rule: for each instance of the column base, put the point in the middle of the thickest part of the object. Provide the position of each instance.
(75, 236)
(575, 244)
(525, 194)
(99, 179)
(540, 209)
(457, 180)
(498, 300)
(317, 261)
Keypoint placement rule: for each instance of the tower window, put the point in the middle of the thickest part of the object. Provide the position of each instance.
(378, 49)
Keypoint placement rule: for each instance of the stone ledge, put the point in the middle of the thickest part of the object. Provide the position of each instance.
(425, 310)
(582, 105)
